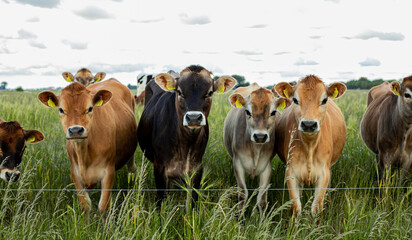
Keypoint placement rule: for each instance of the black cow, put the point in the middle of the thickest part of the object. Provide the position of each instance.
(173, 130)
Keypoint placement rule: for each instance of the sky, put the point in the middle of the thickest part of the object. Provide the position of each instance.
(266, 41)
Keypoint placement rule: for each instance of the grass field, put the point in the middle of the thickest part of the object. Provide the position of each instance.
(349, 213)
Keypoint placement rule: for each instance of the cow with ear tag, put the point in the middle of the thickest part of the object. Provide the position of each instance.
(249, 137)
(173, 129)
(100, 129)
(84, 76)
(310, 136)
(13, 140)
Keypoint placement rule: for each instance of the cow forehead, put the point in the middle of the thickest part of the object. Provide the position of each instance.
(75, 95)
(261, 98)
(11, 133)
(310, 90)
(195, 81)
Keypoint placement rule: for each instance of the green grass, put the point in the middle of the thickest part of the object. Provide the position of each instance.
(349, 214)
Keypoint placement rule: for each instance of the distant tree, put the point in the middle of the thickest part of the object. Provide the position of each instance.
(19, 89)
(364, 83)
(3, 85)
(131, 87)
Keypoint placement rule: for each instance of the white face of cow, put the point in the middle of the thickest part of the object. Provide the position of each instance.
(260, 109)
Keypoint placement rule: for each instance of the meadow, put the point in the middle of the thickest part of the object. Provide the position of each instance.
(43, 205)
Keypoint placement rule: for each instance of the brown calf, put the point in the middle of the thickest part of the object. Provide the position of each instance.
(101, 131)
(84, 76)
(310, 136)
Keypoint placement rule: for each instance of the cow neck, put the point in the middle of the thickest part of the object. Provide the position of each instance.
(191, 135)
(404, 114)
(310, 142)
(81, 150)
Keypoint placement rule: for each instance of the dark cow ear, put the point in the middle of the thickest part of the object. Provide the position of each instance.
(282, 103)
(224, 84)
(33, 136)
(99, 76)
(165, 81)
(336, 90)
(68, 76)
(101, 98)
(237, 101)
(284, 89)
(49, 99)
(274, 91)
(396, 87)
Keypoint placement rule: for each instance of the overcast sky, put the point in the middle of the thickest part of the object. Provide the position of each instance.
(266, 41)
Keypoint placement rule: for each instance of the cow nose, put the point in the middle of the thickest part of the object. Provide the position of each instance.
(260, 137)
(12, 176)
(309, 125)
(75, 131)
(194, 119)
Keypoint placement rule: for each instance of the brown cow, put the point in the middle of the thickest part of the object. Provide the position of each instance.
(310, 136)
(249, 137)
(101, 134)
(84, 76)
(386, 125)
(12, 146)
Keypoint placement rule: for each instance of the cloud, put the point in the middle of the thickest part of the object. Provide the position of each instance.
(258, 26)
(37, 44)
(4, 50)
(281, 53)
(389, 36)
(302, 62)
(290, 74)
(248, 53)
(15, 71)
(93, 13)
(370, 62)
(194, 20)
(75, 45)
(26, 34)
(113, 68)
(41, 3)
(334, 1)
(33, 19)
(148, 20)
(315, 37)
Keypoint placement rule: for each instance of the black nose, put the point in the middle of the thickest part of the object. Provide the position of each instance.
(194, 119)
(309, 125)
(75, 131)
(12, 176)
(260, 138)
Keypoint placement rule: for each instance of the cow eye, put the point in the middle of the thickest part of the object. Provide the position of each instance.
(248, 113)
(295, 101)
(273, 113)
(179, 93)
(61, 111)
(407, 95)
(324, 101)
(209, 94)
(90, 110)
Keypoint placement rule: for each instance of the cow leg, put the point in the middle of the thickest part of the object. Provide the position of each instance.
(131, 165)
(264, 181)
(197, 178)
(294, 192)
(241, 183)
(83, 196)
(161, 182)
(405, 171)
(107, 185)
(320, 190)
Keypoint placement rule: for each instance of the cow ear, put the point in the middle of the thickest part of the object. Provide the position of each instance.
(224, 84)
(101, 98)
(99, 76)
(282, 103)
(396, 87)
(165, 81)
(274, 91)
(33, 136)
(284, 89)
(237, 101)
(68, 76)
(336, 90)
(49, 99)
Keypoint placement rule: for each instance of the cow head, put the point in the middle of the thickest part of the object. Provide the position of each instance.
(13, 140)
(84, 76)
(194, 90)
(404, 91)
(260, 109)
(75, 105)
(310, 96)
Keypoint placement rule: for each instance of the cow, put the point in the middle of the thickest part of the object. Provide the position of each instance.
(249, 137)
(84, 76)
(386, 125)
(13, 138)
(310, 136)
(173, 130)
(100, 129)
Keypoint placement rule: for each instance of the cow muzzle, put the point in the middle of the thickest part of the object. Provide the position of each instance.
(260, 137)
(9, 175)
(194, 119)
(76, 133)
(309, 126)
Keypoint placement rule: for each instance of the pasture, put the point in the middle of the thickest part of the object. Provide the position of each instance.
(43, 205)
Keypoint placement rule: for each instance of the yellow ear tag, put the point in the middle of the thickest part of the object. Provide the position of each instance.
(98, 78)
(99, 102)
(31, 139)
(238, 104)
(221, 89)
(335, 93)
(68, 79)
(286, 93)
(282, 105)
(395, 90)
(169, 87)
(51, 103)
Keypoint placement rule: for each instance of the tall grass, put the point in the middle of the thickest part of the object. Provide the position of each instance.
(349, 214)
